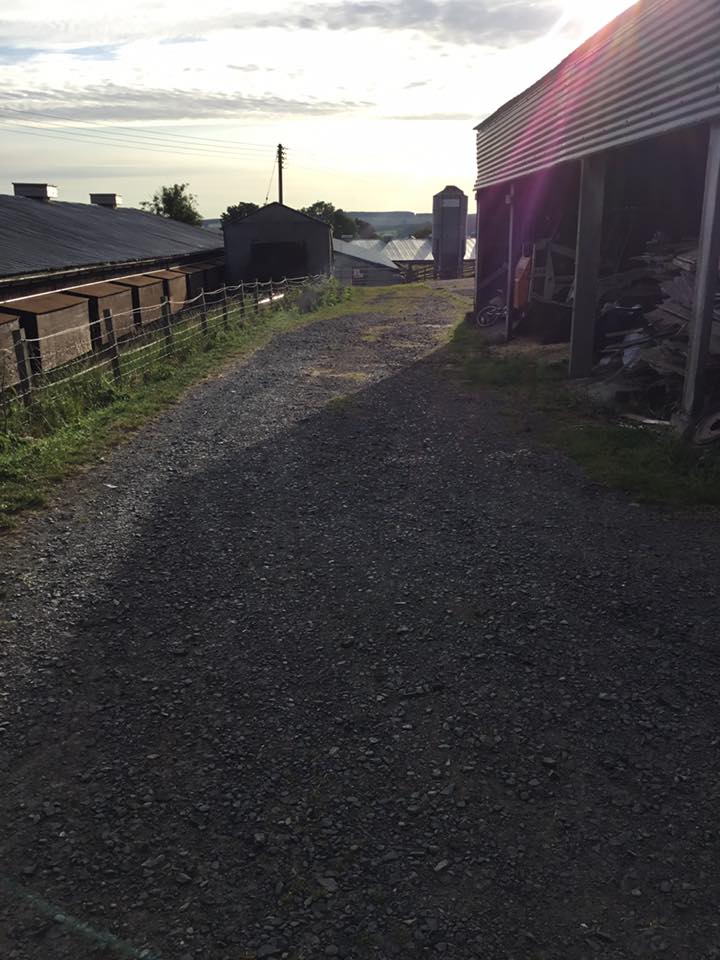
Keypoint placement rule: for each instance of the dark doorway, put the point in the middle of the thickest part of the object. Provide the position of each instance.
(275, 261)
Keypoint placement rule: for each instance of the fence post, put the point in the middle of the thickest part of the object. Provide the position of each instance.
(242, 304)
(165, 324)
(226, 322)
(23, 370)
(112, 346)
(272, 294)
(257, 297)
(203, 313)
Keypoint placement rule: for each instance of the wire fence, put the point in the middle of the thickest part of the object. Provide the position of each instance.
(116, 347)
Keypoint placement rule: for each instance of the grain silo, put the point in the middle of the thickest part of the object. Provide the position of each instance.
(449, 232)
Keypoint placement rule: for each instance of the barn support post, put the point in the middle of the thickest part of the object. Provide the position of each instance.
(112, 347)
(23, 367)
(478, 249)
(510, 201)
(706, 283)
(587, 265)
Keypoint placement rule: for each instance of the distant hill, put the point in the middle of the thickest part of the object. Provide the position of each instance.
(395, 223)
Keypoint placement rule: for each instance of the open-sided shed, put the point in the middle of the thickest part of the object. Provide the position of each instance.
(648, 77)
(56, 327)
(104, 296)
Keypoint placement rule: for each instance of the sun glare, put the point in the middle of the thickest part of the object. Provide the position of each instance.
(589, 16)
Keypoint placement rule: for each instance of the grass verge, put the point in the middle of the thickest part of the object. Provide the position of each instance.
(72, 425)
(653, 467)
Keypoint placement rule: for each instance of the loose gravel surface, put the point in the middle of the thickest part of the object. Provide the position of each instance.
(364, 677)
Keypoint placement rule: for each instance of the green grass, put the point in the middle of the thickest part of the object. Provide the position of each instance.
(652, 466)
(72, 425)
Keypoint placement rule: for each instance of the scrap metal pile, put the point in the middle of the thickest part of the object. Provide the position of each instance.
(644, 328)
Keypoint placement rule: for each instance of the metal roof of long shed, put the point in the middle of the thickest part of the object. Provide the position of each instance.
(37, 237)
(353, 248)
(420, 251)
(653, 70)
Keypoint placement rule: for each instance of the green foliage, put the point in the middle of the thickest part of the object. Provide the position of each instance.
(652, 467)
(365, 230)
(342, 225)
(74, 423)
(238, 211)
(423, 232)
(174, 203)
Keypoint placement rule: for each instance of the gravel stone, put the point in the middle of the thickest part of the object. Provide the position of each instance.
(271, 663)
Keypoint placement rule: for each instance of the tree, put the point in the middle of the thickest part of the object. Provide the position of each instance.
(424, 232)
(174, 203)
(365, 230)
(238, 211)
(320, 210)
(342, 225)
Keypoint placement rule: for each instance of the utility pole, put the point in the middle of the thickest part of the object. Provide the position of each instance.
(280, 162)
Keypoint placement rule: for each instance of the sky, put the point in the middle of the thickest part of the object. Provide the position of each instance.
(374, 100)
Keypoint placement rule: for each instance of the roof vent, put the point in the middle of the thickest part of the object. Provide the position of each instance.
(36, 191)
(111, 200)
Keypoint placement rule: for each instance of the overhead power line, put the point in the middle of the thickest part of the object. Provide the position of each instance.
(102, 133)
(137, 131)
(108, 141)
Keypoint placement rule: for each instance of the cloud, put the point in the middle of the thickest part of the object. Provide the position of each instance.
(500, 23)
(480, 22)
(187, 39)
(13, 55)
(104, 51)
(423, 118)
(111, 101)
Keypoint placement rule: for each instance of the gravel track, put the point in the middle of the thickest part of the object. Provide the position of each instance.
(368, 678)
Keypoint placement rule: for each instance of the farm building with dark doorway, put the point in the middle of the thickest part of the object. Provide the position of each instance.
(277, 242)
(598, 193)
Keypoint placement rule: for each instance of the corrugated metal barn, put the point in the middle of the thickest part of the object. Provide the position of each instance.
(634, 112)
(63, 264)
(48, 245)
(364, 264)
(277, 242)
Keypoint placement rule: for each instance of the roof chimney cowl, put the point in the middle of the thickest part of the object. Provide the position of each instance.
(110, 200)
(36, 191)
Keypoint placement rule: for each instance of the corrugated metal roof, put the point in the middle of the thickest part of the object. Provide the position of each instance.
(653, 70)
(37, 237)
(166, 274)
(101, 289)
(377, 244)
(420, 251)
(44, 303)
(410, 250)
(353, 248)
(139, 281)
